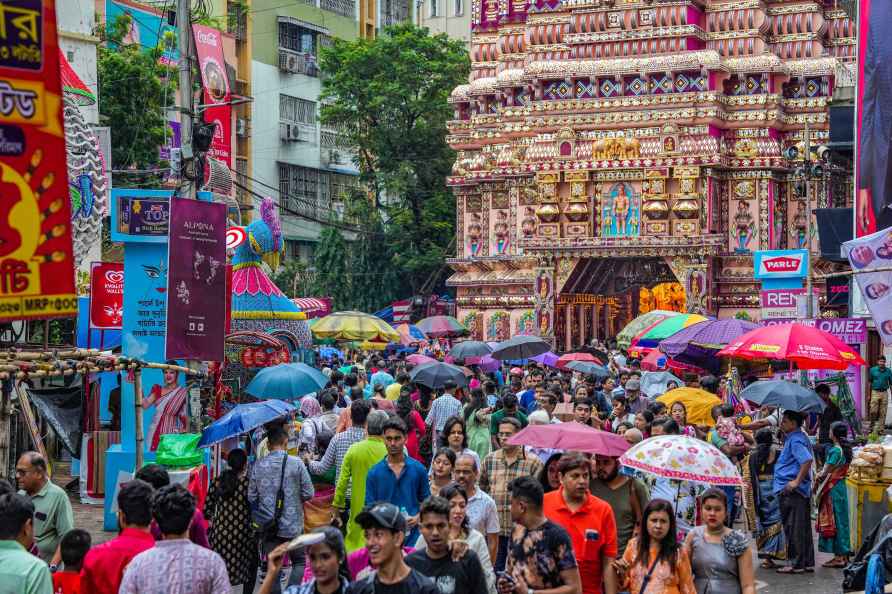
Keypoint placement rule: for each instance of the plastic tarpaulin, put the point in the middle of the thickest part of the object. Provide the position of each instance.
(63, 409)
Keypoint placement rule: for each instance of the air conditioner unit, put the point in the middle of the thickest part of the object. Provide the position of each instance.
(241, 127)
(335, 157)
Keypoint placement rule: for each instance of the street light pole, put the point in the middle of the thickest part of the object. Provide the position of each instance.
(184, 40)
(809, 302)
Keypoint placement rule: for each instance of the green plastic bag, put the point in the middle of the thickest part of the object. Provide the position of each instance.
(179, 450)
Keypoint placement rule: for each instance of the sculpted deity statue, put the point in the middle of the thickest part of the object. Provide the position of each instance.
(743, 222)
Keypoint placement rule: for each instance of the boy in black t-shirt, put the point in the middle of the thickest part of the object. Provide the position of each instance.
(385, 531)
(436, 562)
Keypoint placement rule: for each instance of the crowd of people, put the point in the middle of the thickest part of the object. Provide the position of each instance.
(430, 495)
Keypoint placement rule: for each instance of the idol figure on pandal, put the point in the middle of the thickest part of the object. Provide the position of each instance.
(743, 221)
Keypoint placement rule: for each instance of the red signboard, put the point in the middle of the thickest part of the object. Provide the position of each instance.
(209, 46)
(106, 295)
(36, 263)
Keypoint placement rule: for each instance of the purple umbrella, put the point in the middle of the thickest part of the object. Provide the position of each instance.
(549, 359)
(698, 344)
(486, 363)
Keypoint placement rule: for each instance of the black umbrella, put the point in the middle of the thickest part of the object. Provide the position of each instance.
(470, 348)
(435, 374)
(783, 394)
(588, 368)
(520, 347)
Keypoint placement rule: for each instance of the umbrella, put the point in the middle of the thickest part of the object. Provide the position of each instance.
(410, 334)
(564, 359)
(286, 381)
(418, 359)
(783, 394)
(520, 347)
(244, 418)
(698, 344)
(440, 326)
(807, 347)
(486, 363)
(470, 348)
(655, 383)
(699, 403)
(354, 325)
(435, 375)
(587, 368)
(548, 358)
(633, 328)
(571, 436)
(656, 360)
(651, 336)
(329, 352)
(682, 458)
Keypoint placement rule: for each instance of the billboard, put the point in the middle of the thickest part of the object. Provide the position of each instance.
(873, 176)
(36, 256)
(148, 27)
(771, 264)
(106, 295)
(215, 83)
(870, 257)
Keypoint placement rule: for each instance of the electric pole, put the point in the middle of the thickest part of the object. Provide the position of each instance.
(809, 302)
(184, 40)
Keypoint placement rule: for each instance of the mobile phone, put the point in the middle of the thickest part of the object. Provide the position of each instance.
(504, 575)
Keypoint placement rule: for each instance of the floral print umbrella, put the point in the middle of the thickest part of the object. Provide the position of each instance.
(682, 458)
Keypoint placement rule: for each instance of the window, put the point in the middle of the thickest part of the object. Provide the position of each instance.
(312, 192)
(345, 8)
(297, 38)
(294, 109)
(459, 7)
(435, 9)
(394, 11)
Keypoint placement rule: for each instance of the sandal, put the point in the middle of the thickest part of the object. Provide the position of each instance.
(789, 569)
(768, 564)
(835, 563)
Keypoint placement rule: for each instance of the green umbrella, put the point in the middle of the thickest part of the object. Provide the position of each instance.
(633, 328)
(651, 337)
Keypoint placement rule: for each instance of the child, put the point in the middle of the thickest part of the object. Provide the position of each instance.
(74, 545)
(727, 428)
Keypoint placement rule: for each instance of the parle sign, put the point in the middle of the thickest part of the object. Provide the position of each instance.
(772, 264)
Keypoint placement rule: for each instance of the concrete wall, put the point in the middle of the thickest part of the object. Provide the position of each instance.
(76, 21)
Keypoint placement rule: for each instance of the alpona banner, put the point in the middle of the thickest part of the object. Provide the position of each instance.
(36, 263)
(196, 280)
(107, 295)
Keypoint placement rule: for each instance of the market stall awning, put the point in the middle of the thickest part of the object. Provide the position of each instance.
(314, 307)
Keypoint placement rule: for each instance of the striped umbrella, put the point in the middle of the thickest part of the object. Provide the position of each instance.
(633, 328)
(651, 336)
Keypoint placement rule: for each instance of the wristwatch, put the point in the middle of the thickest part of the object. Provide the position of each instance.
(54, 567)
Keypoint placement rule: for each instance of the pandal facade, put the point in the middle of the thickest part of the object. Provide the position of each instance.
(608, 146)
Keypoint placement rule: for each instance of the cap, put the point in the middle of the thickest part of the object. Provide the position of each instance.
(516, 371)
(633, 385)
(382, 515)
(618, 391)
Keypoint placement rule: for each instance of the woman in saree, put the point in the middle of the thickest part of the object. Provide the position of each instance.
(760, 471)
(833, 502)
(170, 402)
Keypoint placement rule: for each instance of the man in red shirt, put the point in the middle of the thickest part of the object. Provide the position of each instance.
(104, 565)
(588, 520)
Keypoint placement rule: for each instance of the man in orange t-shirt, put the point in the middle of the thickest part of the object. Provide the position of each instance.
(588, 520)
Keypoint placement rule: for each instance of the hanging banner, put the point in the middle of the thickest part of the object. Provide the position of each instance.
(196, 280)
(866, 254)
(873, 202)
(209, 46)
(36, 264)
(106, 295)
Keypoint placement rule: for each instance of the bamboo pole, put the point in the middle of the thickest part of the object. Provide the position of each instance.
(28, 413)
(137, 390)
(5, 438)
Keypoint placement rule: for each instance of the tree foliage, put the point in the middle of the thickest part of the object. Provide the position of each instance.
(389, 98)
(134, 90)
(331, 262)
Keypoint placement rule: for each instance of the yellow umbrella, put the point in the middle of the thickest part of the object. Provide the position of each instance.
(698, 402)
(370, 346)
(354, 325)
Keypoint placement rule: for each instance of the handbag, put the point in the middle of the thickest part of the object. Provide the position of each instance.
(270, 528)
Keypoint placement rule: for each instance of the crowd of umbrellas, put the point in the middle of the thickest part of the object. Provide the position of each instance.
(666, 342)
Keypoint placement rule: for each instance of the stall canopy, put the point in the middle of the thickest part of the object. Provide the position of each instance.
(314, 307)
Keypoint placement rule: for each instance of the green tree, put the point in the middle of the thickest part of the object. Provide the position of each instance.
(389, 97)
(330, 261)
(134, 91)
(292, 278)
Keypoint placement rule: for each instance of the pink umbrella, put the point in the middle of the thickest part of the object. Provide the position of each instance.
(417, 359)
(571, 437)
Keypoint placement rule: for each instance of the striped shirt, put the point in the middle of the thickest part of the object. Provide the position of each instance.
(334, 454)
(442, 408)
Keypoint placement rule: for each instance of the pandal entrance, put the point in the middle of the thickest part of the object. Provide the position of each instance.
(602, 295)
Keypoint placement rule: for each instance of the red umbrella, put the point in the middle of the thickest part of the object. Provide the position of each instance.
(564, 359)
(573, 436)
(657, 360)
(807, 347)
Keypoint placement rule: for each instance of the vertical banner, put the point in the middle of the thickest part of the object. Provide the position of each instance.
(866, 254)
(196, 280)
(209, 46)
(106, 295)
(873, 203)
(36, 259)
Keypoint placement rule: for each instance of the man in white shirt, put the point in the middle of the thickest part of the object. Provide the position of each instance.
(481, 510)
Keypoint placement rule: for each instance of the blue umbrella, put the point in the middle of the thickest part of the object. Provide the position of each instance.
(783, 394)
(286, 381)
(588, 368)
(242, 419)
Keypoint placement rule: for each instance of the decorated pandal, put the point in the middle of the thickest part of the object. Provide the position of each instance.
(605, 147)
